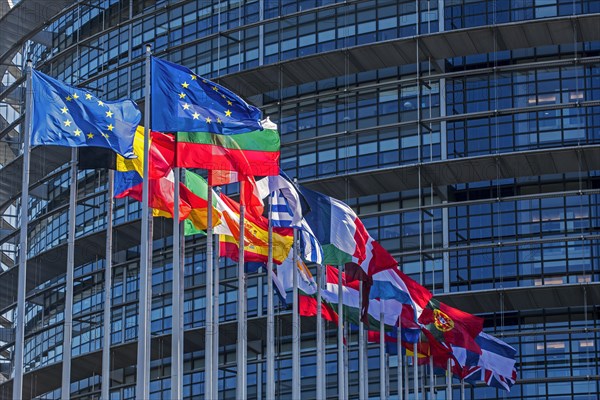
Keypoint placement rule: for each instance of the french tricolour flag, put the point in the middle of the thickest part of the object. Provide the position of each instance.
(342, 235)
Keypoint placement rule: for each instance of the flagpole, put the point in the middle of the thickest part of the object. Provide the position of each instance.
(416, 371)
(22, 273)
(68, 311)
(362, 382)
(209, 372)
(449, 380)
(145, 293)
(431, 377)
(462, 389)
(106, 323)
(406, 380)
(270, 395)
(399, 344)
(321, 377)
(216, 291)
(241, 310)
(382, 380)
(340, 334)
(296, 328)
(177, 292)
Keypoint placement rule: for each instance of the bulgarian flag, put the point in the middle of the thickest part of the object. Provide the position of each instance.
(254, 153)
(343, 236)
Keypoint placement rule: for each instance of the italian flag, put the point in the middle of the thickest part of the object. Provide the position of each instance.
(253, 153)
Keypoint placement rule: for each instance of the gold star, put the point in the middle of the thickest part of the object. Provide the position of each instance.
(64, 110)
(193, 77)
(204, 80)
(67, 123)
(196, 115)
(105, 135)
(229, 103)
(181, 95)
(208, 120)
(228, 113)
(186, 106)
(219, 120)
(223, 96)
(216, 89)
(88, 96)
(69, 98)
(90, 135)
(110, 127)
(109, 114)
(77, 132)
(185, 85)
(100, 103)
(75, 96)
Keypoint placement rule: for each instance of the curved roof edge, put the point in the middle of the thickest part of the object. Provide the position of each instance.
(396, 52)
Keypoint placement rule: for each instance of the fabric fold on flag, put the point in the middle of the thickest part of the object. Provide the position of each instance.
(67, 116)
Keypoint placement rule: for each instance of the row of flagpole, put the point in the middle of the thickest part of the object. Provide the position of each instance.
(212, 300)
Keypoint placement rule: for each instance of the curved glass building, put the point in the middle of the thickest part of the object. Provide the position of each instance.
(465, 133)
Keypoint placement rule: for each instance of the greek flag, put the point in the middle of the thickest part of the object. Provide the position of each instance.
(310, 247)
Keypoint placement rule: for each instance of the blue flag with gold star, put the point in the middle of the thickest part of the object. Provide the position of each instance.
(185, 102)
(72, 117)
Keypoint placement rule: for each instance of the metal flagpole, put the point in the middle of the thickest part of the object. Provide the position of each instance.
(106, 323)
(423, 375)
(431, 378)
(145, 293)
(22, 273)
(340, 332)
(462, 389)
(296, 328)
(241, 307)
(362, 382)
(270, 311)
(68, 321)
(177, 293)
(449, 380)
(216, 315)
(382, 368)
(399, 344)
(416, 371)
(209, 329)
(406, 380)
(321, 375)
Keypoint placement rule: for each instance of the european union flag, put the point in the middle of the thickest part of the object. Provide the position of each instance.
(72, 117)
(185, 102)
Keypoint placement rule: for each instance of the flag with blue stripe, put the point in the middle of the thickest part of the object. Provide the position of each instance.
(281, 216)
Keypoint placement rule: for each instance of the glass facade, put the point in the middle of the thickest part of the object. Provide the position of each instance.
(518, 240)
